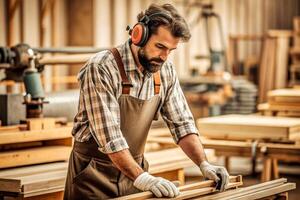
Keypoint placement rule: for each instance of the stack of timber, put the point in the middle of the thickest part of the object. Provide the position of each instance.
(38, 141)
(189, 191)
(282, 102)
(274, 62)
(48, 180)
(244, 99)
(295, 54)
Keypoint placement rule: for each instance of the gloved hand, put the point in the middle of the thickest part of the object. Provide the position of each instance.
(157, 185)
(211, 172)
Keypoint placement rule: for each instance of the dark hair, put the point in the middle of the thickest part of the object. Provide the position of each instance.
(176, 23)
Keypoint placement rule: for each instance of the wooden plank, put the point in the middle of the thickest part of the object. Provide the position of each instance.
(187, 191)
(266, 193)
(247, 127)
(50, 196)
(34, 156)
(40, 123)
(245, 190)
(15, 173)
(166, 160)
(282, 55)
(36, 135)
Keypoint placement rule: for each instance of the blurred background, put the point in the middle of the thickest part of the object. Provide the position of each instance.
(243, 59)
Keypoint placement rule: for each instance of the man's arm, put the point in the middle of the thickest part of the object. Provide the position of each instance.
(193, 148)
(124, 161)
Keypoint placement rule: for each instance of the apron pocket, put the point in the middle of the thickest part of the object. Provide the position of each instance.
(99, 169)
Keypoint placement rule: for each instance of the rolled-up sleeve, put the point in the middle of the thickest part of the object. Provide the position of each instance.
(101, 105)
(175, 111)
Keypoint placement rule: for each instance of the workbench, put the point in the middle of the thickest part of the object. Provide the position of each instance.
(268, 151)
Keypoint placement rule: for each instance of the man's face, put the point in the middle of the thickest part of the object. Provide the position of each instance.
(153, 55)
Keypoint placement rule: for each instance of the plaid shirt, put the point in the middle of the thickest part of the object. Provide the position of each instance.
(100, 87)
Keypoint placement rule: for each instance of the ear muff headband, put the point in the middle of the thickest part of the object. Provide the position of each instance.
(140, 32)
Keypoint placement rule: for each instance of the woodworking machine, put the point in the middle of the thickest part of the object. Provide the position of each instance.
(22, 63)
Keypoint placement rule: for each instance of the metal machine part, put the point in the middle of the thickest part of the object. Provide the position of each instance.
(62, 104)
(22, 65)
(217, 57)
(12, 110)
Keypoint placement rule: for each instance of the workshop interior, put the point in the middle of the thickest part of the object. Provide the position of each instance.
(239, 73)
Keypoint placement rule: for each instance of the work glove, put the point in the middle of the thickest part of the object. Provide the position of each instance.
(157, 185)
(216, 173)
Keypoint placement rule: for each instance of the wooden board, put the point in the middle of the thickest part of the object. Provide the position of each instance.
(248, 127)
(166, 160)
(189, 191)
(35, 135)
(34, 156)
(284, 96)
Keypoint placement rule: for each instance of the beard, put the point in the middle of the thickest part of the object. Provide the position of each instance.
(151, 65)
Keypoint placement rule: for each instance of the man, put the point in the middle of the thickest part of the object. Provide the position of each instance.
(121, 92)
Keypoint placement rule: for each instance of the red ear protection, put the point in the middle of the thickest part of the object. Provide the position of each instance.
(140, 32)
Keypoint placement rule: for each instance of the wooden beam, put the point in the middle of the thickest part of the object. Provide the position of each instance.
(188, 191)
(34, 156)
(36, 135)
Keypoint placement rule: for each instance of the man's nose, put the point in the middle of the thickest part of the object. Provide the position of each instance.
(164, 55)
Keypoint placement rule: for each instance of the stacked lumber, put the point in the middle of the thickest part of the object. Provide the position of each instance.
(38, 141)
(249, 127)
(191, 190)
(274, 62)
(282, 102)
(244, 98)
(33, 180)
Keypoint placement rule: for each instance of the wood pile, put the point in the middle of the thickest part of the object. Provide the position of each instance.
(282, 102)
(274, 62)
(38, 141)
(243, 100)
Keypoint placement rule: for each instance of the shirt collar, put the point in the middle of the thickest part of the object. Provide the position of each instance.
(128, 60)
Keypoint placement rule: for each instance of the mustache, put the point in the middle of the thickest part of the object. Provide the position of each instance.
(158, 60)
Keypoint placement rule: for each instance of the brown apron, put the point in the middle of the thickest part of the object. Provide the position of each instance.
(91, 174)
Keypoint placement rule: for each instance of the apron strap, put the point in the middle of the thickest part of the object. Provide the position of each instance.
(156, 76)
(126, 84)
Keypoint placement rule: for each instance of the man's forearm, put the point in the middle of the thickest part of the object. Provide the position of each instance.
(192, 147)
(124, 161)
